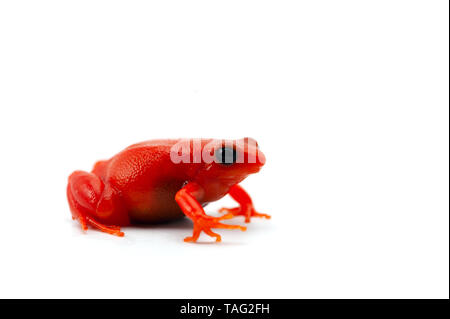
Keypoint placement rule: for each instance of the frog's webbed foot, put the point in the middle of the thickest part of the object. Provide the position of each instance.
(83, 193)
(186, 199)
(247, 211)
(205, 223)
(246, 207)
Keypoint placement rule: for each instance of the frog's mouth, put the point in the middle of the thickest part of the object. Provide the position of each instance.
(255, 169)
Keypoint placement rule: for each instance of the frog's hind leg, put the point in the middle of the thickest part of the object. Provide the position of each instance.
(90, 200)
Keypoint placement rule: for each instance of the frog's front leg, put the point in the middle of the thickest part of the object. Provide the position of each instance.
(187, 200)
(245, 208)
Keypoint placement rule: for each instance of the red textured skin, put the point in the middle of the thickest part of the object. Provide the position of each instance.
(139, 184)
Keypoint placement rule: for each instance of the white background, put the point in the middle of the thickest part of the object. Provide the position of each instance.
(348, 100)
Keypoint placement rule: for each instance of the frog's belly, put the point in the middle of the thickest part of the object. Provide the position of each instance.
(156, 206)
(154, 216)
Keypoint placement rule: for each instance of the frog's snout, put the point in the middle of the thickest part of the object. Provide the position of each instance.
(260, 158)
(260, 161)
(255, 158)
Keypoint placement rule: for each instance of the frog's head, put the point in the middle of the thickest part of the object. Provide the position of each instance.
(228, 162)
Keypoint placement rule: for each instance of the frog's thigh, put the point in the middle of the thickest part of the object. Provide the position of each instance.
(85, 189)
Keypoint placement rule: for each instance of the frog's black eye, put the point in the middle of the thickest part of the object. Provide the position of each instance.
(226, 155)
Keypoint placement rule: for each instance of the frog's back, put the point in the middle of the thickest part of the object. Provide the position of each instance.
(147, 180)
(162, 143)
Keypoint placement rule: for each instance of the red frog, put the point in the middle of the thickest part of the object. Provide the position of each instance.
(162, 180)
